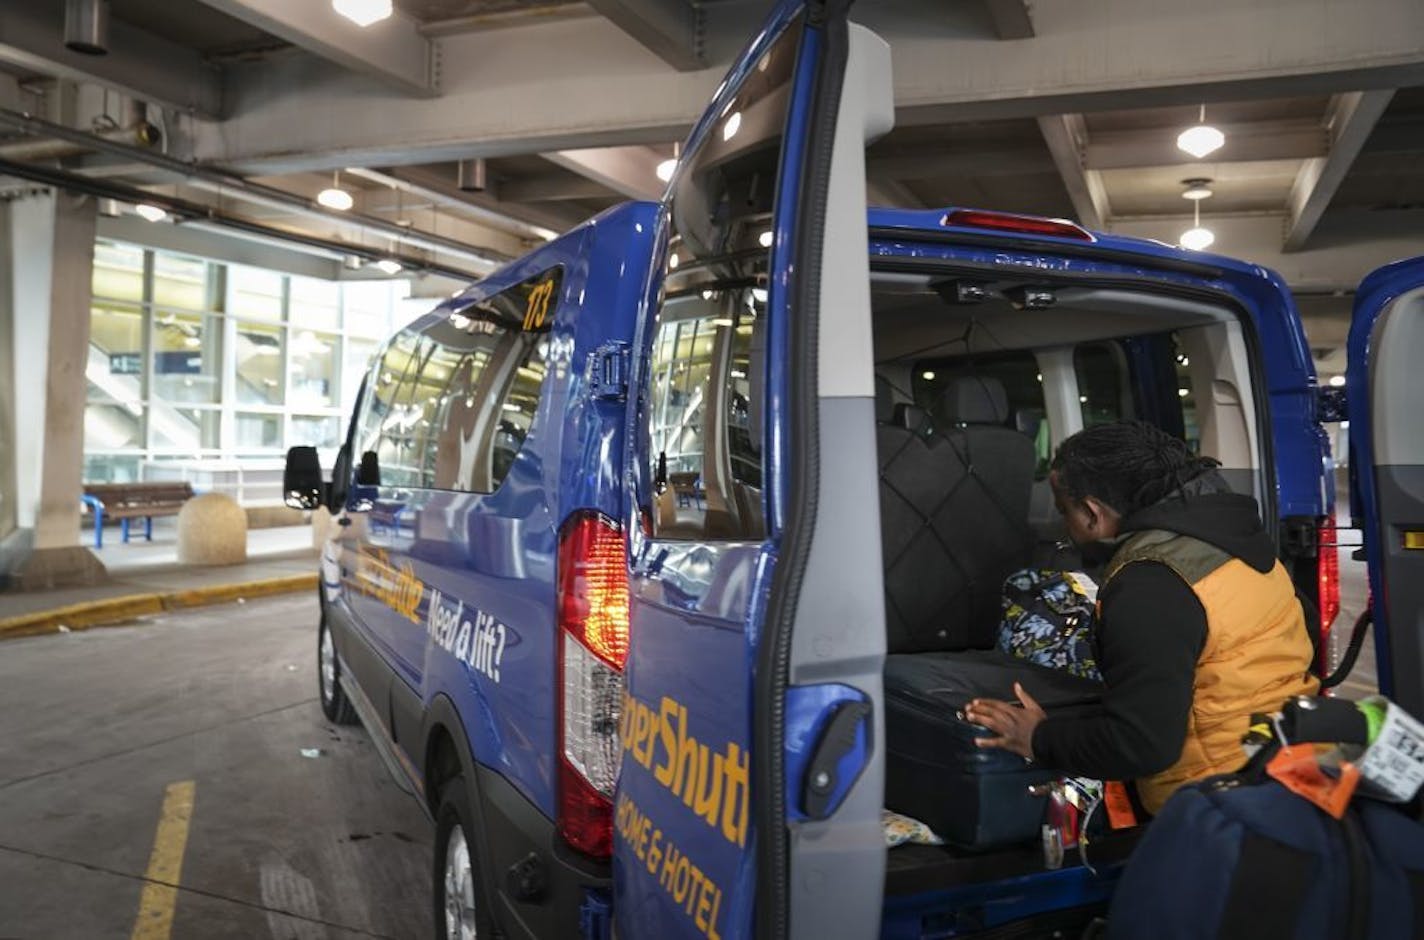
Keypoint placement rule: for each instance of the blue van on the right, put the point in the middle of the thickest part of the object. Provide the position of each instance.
(623, 534)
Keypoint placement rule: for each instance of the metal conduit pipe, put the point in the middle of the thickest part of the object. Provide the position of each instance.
(231, 184)
(139, 134)
(181, 208)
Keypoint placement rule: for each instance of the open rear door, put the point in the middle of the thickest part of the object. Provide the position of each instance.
(755, 605)
(1385, 385)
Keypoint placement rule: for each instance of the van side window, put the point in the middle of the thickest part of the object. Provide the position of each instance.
(1104, 389)
(701, 372)
(1186, 395)
(454, 402)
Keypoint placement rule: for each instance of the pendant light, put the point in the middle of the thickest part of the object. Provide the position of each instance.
(335, 197)
(1196, 238)
(1201, 139)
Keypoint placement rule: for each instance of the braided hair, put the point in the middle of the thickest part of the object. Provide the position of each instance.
(1129, 465)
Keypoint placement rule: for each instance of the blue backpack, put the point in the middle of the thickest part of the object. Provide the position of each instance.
(1238, 857)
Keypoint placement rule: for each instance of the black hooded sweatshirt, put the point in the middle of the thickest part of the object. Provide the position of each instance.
(1150, 634)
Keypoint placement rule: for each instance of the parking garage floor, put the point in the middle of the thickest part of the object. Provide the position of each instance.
(278, 843)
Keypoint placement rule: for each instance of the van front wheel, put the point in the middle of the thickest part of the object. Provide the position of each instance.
(334, 703)
(459, 911)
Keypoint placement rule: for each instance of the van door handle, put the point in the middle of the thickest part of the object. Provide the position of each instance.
(819, 786)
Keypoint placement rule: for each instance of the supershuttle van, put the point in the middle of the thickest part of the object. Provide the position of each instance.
(615, 562)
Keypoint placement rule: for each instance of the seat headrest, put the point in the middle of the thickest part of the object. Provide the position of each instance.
(910, 417)
(974, 399)
(884, 401)
(1028, 420)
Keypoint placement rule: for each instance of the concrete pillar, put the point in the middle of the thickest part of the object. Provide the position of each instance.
(51, 258)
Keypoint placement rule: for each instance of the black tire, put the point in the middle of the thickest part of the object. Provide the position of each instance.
(334, 704)
(453, 868)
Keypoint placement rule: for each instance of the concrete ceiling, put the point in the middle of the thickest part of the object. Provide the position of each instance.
(1057, 109)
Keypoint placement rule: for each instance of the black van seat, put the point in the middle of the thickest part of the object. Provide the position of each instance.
(986, 520)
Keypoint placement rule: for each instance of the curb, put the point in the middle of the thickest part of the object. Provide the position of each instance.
(118, 610)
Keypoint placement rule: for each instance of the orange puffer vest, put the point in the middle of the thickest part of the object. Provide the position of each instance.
(1257, 652)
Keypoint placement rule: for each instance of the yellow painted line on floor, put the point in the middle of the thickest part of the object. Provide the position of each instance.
(116, 610)
(165, 865)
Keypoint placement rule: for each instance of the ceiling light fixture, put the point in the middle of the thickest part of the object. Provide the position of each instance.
(150, 212)
(1196, 238)
(334, 197)
(765, 239)
(669, 166)
(1201, 139)
(363, 12)
(734, 124)
(390, 266)
(1197, 189)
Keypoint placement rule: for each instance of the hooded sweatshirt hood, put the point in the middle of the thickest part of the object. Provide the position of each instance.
(1205, 510)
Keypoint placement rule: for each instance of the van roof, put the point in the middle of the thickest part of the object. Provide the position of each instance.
(964, 225)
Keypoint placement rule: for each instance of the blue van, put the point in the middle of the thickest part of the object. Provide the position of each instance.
(614, 566)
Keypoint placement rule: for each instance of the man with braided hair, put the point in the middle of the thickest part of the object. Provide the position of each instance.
(1199, 625)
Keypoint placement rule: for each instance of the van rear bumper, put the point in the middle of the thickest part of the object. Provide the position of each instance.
(516, 832)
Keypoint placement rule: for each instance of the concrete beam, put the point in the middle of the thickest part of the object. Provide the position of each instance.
(551, 189)
(1067, 138)
(1245, 143)
(884, 191)
(921, 163)
(392, 50)
(1352, 116)
(670, 29)
(508, 91)
(139, 64)
(550, 219)
(1012, 19)
(628, 171)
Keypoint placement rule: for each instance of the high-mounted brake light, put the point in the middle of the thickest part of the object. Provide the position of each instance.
(1328, 579)
(593, 647)
(1009, 222)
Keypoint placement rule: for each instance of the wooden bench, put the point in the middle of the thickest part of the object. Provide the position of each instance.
(125, 501)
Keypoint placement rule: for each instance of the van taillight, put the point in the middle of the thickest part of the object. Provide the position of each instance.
(593, 646)
(1328, 576)
(1009, 222)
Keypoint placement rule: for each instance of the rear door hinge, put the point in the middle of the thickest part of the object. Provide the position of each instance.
(608, 371)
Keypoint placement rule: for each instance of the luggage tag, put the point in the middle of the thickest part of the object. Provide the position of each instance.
(1298, 767)
(1392, 767)
(1060, 830)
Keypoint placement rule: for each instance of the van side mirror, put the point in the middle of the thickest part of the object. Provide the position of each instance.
(368, 472)
(340, 479)
(302, 485)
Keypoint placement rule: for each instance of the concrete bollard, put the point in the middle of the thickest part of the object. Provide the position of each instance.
(212, 530)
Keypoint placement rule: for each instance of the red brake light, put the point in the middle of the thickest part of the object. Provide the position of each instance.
(593, 647)
(1328, 578)
(1021, 224)
(593, 586)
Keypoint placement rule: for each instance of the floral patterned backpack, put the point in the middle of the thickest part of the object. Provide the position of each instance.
(1048, 619)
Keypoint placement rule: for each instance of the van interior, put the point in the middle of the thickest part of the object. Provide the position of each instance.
(978, 379)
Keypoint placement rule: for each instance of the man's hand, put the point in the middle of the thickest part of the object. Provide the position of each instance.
(1014, 725)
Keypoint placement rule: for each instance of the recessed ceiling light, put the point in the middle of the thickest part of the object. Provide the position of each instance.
(765, 239)
(363, 12)
(1337, 380)
(151, 212)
